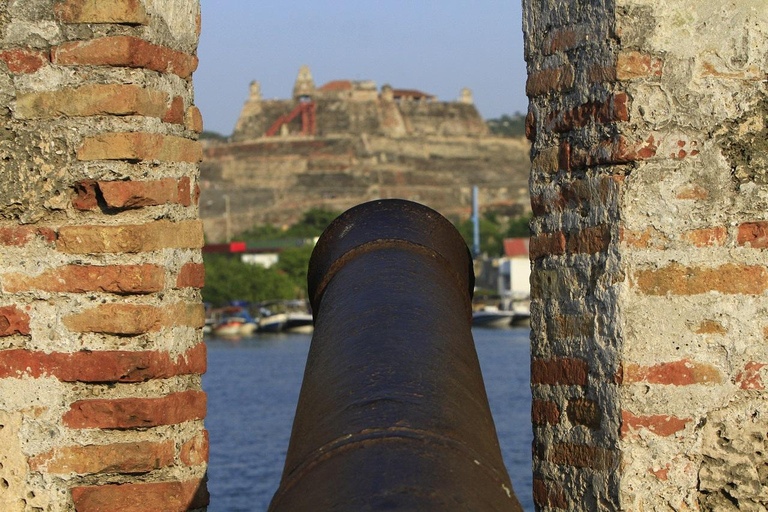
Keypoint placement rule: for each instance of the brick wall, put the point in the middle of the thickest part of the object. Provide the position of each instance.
(650, 194)
(100, 343)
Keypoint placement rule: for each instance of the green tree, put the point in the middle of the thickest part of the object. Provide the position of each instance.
(312, 223)
(508, 126)
(491, 234)
(294, 263)
(265, 232)
(227, 278)
(519, 227)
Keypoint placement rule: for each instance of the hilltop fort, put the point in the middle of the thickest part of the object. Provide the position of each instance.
(346, 142)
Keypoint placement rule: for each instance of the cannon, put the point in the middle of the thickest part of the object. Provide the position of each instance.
(392, 413)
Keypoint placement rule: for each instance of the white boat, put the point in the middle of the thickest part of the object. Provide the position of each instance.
(227, 328)
(492, 316)
(272, 323)
(298, 322)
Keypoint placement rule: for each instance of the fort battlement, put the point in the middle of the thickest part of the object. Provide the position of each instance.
(347, 142)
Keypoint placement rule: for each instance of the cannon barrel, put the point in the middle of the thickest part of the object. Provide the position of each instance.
(392, 413)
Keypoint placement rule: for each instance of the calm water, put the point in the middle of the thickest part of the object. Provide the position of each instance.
(253, 385)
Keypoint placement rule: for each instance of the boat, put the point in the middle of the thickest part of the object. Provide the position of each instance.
(298, 322)
(273, 322)
(493, 317)
(233, 321)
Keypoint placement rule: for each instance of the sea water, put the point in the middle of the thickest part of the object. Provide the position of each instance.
(253, 385)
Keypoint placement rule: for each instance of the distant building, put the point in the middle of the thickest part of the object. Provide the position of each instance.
(346, 142)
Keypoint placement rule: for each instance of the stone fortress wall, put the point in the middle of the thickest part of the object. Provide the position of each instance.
(367, 144)
(101, 349)
(649, 280)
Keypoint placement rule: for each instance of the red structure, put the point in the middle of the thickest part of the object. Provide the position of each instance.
(307, 111)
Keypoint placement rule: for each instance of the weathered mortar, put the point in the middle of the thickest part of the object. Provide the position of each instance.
(649, 276)
(100, 343)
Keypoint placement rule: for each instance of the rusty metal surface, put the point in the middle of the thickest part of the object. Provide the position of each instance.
(393, 413)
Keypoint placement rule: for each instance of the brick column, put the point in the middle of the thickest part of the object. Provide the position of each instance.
(650, 193)
(101, 349)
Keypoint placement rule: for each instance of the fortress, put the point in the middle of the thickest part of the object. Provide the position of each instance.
(649, 344)
(347, 142)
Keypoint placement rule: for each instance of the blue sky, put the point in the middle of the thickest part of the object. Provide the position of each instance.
(438, 46)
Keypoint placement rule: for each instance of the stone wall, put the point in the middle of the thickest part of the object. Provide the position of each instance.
(101, 349)
(342, 115)
(649, 190)
(274, 180)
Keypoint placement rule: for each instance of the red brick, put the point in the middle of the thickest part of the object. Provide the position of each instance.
(92, 100)
(677, 373)
(22, 235)
(136, 412)
(175, 113)
(545, 412)
(195, 451)
(661, 425)
(140, 457)
(584, 412)
(183, 193)
(120, 279)
(13, 321)
(750, 378)
(133, 319)
(131, 238)
(706, 237)
(614, 109)
(589, 240)
(142, 497)
(616, 151)
(85, 196)
(753, 233)
(548, 494)
(564, 371)
(193, 119)
(676, 279)
(120, 319)
(102, 366)
(564, 39)
(125, 51)
(129, 12)
(139, 146)
(581, 456)
(137, 194)
(22, 60)
(549, 80)
(191, 275)
(530, 126)
(196, 195)
(632, 64)
(547, 244)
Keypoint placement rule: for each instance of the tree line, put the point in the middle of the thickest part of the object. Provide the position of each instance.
(228, 278)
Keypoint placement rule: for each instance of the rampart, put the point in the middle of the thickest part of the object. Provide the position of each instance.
(649, 280)
(101, 349)
(366, 145)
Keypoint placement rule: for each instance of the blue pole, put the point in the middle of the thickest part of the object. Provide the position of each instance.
(475, 223)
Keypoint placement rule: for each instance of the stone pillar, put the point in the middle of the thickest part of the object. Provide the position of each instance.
(650, 194)
(101, 350)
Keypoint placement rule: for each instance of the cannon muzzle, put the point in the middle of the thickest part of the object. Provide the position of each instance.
(392, 413)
